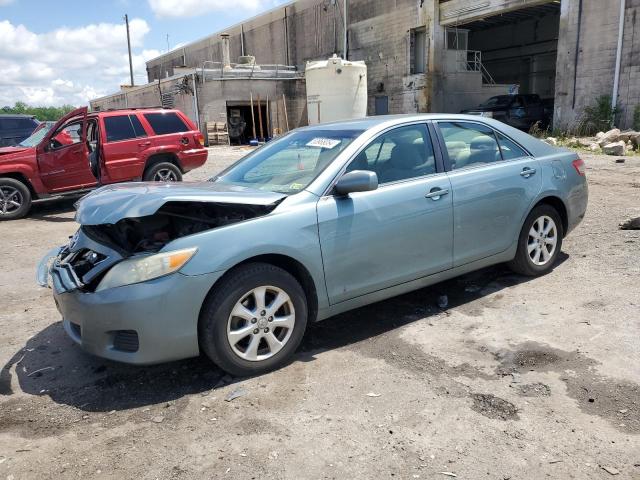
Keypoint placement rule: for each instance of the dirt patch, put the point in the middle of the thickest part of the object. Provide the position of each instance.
(494, 407)
(534, 390)
(615, 400)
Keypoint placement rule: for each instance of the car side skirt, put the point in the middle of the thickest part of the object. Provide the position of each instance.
(423, 282)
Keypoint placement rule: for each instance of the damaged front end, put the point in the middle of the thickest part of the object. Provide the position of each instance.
(149, 234)
(135, 244)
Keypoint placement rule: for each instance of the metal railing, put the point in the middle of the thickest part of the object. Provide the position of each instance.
(471, 61)
(215, 71)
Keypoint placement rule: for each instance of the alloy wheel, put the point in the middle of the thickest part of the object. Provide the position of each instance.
(165, 175)
(261, 323)
(542, 241)
(10, 200)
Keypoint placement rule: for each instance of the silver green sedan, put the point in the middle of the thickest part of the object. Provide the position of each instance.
(323, 220)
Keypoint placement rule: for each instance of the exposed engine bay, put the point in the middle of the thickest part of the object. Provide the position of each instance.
(173, 220)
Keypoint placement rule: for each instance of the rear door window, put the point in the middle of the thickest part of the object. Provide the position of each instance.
(469, 144)
(119, 128)
(165, 123)
(137, 126)
(509, 149)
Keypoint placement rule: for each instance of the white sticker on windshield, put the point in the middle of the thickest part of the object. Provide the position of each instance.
(323, 143)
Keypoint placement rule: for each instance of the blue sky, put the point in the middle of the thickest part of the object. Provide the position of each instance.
(69, 51)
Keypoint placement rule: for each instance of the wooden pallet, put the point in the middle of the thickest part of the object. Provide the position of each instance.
(217, 133)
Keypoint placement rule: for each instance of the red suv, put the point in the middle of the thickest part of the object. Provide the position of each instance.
(85, 150)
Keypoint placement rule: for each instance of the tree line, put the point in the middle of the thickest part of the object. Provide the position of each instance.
(41, 113)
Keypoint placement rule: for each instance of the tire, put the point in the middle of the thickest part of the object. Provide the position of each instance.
(15, 199)
(167, 170)
(228, 339)
(528, 261)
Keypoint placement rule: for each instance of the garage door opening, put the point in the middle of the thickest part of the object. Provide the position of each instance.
(515, 52)
(240, 122)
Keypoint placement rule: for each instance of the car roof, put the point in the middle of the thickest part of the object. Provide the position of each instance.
(129, 111)
(16, 115)
(389, 120)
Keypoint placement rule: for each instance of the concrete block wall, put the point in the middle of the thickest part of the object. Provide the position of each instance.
(312, 30)
(596, 59)
(629, 86)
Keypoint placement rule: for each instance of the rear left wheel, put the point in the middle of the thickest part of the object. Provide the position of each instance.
(163, 172)
(254, 320)
(539, 243)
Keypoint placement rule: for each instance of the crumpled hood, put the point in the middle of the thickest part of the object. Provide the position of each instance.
(13, 150)
(112, 203)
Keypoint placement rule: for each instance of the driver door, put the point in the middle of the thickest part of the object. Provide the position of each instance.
(398, 233)
(63, 155)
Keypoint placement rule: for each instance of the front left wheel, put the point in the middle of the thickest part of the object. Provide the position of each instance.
(254, 320)
(15, 199)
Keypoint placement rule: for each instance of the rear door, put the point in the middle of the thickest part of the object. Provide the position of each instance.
(63, 158)
(123, 140)
(400, 232)
(494, 182)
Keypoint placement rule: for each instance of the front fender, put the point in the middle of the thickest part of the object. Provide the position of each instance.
(288, 231)
(26, 169)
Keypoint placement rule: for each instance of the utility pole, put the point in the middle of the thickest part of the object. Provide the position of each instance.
(126, 19)
(345, 29)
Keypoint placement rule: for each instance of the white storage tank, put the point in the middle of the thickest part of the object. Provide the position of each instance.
(336, 90)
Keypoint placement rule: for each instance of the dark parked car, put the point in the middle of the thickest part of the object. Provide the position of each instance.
(15, 128)
(519, 111)
(83, 151)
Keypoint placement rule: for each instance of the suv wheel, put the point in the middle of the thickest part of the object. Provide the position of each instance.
(539, 243)
(163, 172)
(15, 199)
(254, 320)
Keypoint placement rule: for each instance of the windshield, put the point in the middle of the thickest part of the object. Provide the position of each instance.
(37, 136)
(289, 164)
(499, 101)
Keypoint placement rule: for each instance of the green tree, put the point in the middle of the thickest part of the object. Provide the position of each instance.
(41, 113)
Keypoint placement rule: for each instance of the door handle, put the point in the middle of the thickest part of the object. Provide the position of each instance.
(437, 193)
(527, 172)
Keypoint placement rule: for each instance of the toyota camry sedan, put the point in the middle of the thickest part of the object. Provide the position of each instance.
(323, 220)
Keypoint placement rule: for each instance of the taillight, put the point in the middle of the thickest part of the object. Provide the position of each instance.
(199, 138)
(579, 166)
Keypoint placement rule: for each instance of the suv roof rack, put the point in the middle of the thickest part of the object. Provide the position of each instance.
(135, 108)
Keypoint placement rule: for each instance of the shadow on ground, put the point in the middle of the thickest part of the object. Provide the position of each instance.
(54, 211)
(51, 365)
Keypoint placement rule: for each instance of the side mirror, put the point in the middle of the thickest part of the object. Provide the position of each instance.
(356, 181)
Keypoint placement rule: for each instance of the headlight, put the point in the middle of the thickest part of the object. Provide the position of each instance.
(145, 268)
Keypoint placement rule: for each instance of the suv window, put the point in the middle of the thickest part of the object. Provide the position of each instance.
(68, 134)
(399, 154)
(164, 123)
(469, 144)
(17, 123)
(137, 126)
(120, 127)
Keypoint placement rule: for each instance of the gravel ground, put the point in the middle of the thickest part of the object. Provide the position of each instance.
(517, 379)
